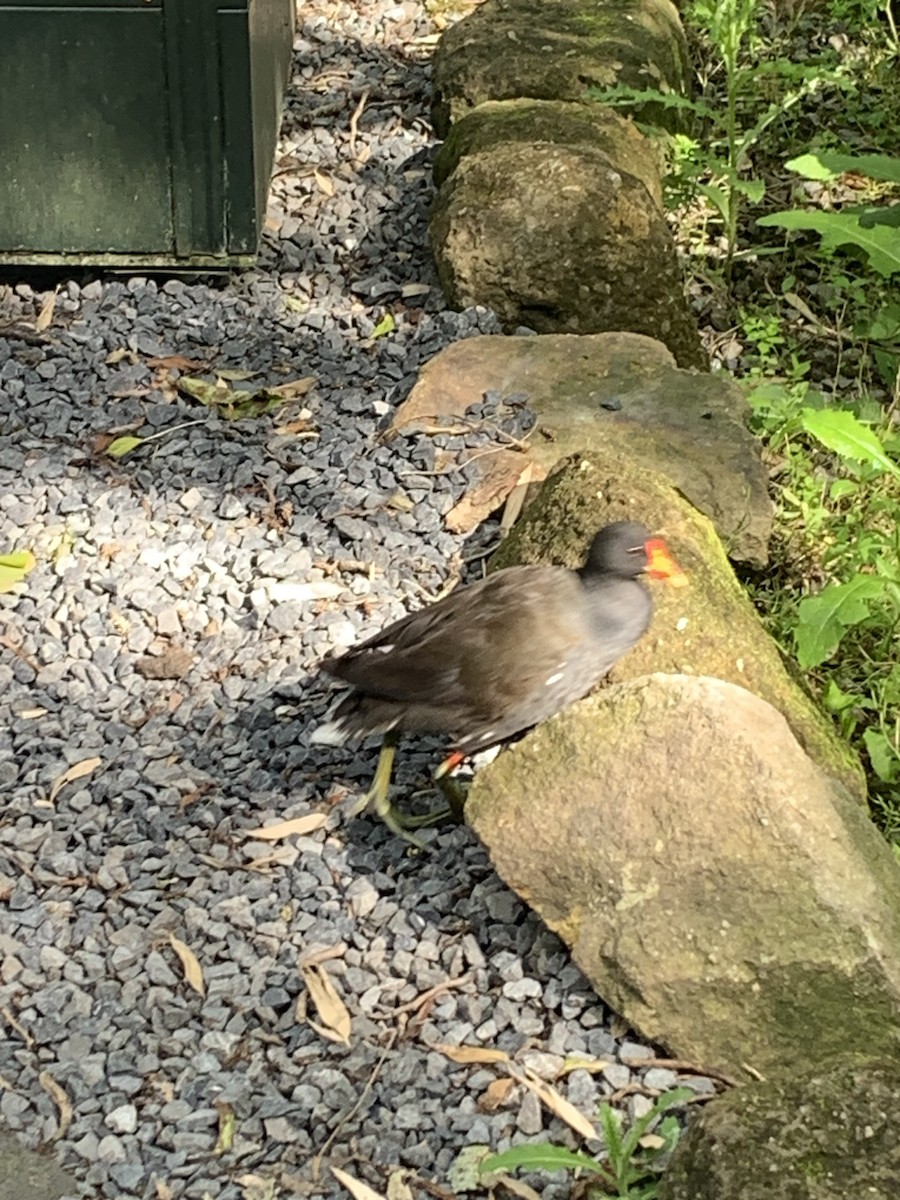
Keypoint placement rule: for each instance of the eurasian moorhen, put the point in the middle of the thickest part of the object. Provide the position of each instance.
(498, 656)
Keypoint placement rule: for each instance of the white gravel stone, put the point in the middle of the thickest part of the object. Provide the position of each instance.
(122, 1119)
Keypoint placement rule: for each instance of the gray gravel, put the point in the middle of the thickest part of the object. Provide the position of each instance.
(252, 552)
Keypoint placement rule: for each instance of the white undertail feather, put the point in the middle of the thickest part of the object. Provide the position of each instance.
(330, 733)
(337, 731)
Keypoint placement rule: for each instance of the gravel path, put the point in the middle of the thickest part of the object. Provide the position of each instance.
(225, 556)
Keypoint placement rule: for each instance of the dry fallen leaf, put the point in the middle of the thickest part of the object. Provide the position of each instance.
(163, 1191)
(576, 1063)
(61, 1100)
(76, 771)
(193, 972)
(557, 1104)
(257, 1187)
(652, 1141)
(165, 1087)
(284, 829)
(120, 355)
(801, 307)
(303, 425)
(283, 856)
(118, 621)
(516, 499)
(470, 1054)
(173, 663)
(45, 316)
(499, 472)
(495, 1095)
(397, 1187)
(324, 183)
(331, 1009)
(293, 389)
(409, 290)
(323, 954)
(295, 1183)
(356, 1188)
(29, 714)
(516, 1186)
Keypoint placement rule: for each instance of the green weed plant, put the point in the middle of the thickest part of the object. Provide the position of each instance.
(629, 1168)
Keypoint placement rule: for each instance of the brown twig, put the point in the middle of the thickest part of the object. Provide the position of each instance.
(757, 1075)
(354, 122)
(631, 1089)
(683, 1065)
(17, 650)
(329, 1141)
(638, 1089)
(424, 997)
(14, 1024)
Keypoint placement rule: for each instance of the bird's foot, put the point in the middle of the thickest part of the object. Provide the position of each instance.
(398, 822)
(455, 795)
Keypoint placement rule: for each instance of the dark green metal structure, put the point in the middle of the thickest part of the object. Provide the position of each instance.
(139, 132)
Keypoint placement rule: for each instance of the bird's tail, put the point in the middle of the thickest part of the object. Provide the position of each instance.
(355, 716)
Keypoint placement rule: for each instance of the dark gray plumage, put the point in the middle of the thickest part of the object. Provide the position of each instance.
(499, 656)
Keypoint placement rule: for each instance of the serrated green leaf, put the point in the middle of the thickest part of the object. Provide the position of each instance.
(718, 197)
(846, 435)
(123, 445)
(824, 165)
(879, 241)
(753, 189)
(882, 756)
(811, 166)
(14, 567)
(543, 1157)
(836, 700)
(843, 487)
(611, 1124)
(387, 324)
(888, 366)
(639, 1127)
(823, 619)
(885, 323)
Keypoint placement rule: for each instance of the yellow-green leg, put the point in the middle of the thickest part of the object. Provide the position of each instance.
(378, 794)
(399, 823)
(455, 795)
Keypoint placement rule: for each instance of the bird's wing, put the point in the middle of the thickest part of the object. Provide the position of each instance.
(458, 652)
